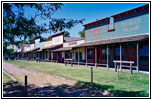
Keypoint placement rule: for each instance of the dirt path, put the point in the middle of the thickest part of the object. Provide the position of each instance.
(45, 85)
(36, 78)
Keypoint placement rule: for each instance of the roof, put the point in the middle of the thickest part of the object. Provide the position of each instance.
(63, 49)
(35, 49)
(69, 39)
(116, 40)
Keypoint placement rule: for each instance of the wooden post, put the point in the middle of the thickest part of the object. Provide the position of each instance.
(120, 56)
(107, 58)
(25, 91)
(64, 56)
(86, 58)
(115, 67)
(117, 72)
(131, 68)
(91, 75)
(79, 56)
(137, 68)
(95, 56)
(71, 62)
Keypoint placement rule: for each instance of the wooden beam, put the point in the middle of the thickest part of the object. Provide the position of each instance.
(95, 56)
(120, 57)
(64, 56)
(107, 57)
(137, 57)
(86, 57)
(79, 56)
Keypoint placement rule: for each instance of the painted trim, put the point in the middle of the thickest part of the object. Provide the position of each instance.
(73, 40)
(62, 33)
(144, 64)
(123, 14)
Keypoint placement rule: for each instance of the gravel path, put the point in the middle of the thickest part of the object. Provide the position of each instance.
(45, 85)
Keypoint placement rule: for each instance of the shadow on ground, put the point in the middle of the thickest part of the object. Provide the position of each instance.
(80, 89)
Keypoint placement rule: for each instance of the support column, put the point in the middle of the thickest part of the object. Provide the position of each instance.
(120, 57)
(79, 56)
(137, 57)
(107, 57)
(95, 56)
(64, 56)
(86, 57)
(48, 55)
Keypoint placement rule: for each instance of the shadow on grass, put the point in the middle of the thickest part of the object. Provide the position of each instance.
(80, 89)
(119, 93)
(13, 89)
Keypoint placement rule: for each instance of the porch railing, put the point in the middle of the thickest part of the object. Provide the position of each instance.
(118, 62)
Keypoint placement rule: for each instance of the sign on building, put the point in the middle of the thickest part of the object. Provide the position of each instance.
(57, 40)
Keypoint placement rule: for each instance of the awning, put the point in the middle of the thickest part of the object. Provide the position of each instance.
(35, 49)
(116, 40)
(53, 47)
(38, 50)
(64, 49)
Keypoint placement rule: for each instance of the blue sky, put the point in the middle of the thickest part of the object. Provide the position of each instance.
(90, 12)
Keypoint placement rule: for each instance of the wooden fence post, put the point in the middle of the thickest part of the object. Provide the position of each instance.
(91, 75)
(25, 91)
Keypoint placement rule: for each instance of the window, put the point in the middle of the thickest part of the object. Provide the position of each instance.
(111, 25)
(89, 54)
(111, 20)
(68, 55)
(104, 54)
(80, 56)
(144, 53)
(117, 53)
(46, 54)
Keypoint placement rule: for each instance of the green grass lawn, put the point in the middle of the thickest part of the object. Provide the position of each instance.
(6, 78)
(136, 84)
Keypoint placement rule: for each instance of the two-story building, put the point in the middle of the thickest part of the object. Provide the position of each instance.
(124, 37)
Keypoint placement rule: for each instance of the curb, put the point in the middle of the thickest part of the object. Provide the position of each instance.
(10, 76)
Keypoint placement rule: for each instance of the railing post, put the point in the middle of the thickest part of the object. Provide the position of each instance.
(131, 67)
(115, 67)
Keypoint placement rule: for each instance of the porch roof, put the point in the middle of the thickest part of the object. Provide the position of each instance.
(116, 40)
(64, 49)
(35, 49)
(52, 47)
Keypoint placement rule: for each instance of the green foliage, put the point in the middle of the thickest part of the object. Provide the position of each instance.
(66, 34)
(10, 52)
(81, 33)
(18, 28)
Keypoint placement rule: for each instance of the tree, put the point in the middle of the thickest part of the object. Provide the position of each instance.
(81, 33)
(66, 34)
(18, 28)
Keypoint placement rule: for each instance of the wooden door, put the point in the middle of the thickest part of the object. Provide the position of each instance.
(131, 53)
